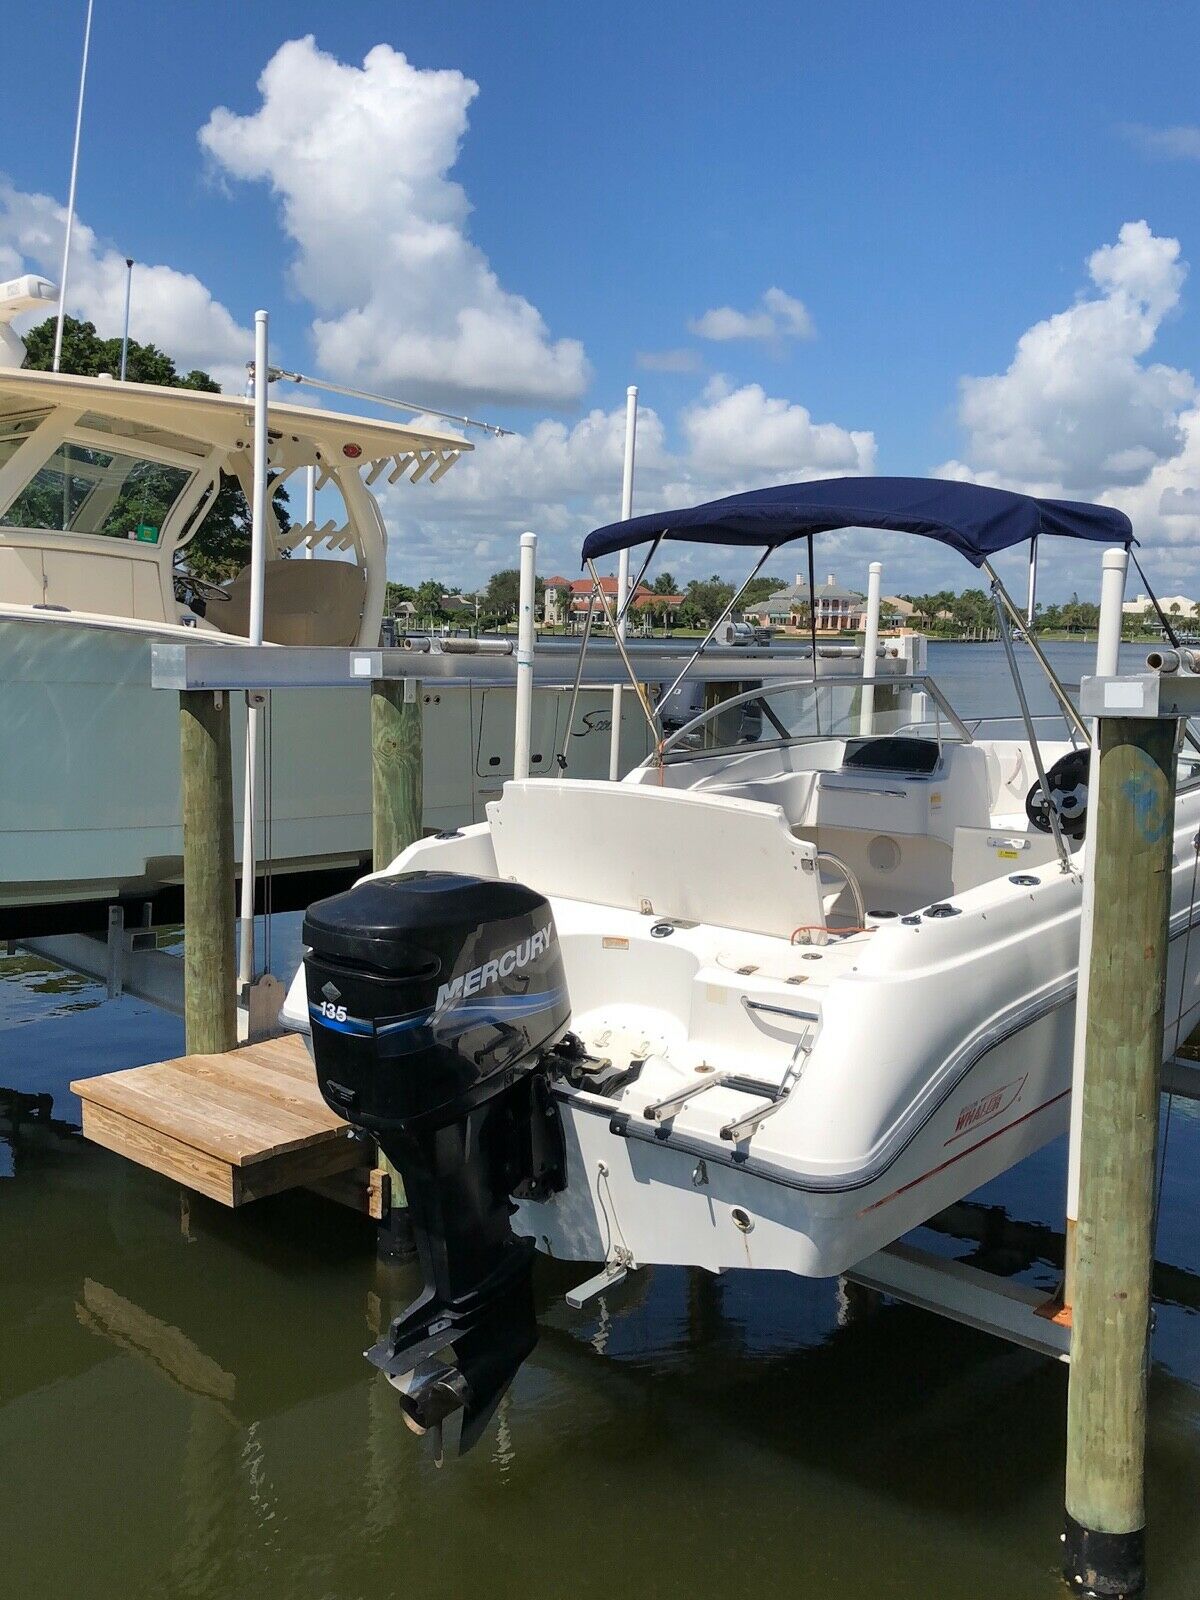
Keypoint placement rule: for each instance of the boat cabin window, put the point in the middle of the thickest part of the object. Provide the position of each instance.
(104, 494)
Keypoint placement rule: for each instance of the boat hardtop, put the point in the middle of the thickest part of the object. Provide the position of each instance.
(104, 484)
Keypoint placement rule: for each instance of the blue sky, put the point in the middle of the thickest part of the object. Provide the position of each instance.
(928, 182)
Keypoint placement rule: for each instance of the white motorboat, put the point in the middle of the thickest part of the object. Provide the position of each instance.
(104, 486)
(798, 982)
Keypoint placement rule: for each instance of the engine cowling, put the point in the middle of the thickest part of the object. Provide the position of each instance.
(436, 999)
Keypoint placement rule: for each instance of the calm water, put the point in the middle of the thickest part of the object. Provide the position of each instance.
(184, 1408)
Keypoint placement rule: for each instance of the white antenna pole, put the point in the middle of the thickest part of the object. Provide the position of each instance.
(310, 507)
(1115, 563)
(125, 336)
(525, 637)
(258, 559)
(871, 645)
(66, 260)
(614, 737)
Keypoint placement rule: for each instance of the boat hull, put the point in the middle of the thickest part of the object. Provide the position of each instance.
(89, 765)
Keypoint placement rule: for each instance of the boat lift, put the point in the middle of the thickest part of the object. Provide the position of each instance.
(126, 957)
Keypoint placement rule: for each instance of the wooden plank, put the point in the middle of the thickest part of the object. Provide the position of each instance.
(228, 1126)
(220, 1109)
(286, 1056)
(273, 1089)
(233, 1127)
(160, 1152)
(362, 1189)
(294, 1169)
(219, 1180)
(357, 1188)
(380, 1197)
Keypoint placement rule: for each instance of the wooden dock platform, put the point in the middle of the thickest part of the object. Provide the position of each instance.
(234, 1127)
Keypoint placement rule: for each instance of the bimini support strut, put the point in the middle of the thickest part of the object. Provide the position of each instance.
(561, 757)
(1001, 596)
(620, 643)
(1064, 855)
(712, 632)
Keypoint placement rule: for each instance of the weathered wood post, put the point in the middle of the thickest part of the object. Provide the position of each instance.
(1133, 812)
(396, 799)
(396, 812)
(206, 790)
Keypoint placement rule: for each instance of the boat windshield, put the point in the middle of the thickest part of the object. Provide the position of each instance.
(840, 707)
(108, 494)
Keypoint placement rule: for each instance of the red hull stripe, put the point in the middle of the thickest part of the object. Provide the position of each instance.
(970, 1150)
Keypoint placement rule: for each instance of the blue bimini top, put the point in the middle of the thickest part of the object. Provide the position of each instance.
(969, 517)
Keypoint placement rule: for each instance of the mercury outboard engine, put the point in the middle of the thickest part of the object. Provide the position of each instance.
(435, 1000)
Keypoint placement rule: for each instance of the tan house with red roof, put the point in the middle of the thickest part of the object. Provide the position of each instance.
(567, 599)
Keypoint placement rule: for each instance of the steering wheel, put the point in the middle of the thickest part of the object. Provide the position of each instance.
(1067, 781)
(188, 587)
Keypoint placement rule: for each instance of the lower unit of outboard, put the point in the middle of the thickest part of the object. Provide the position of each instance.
(436, 1000)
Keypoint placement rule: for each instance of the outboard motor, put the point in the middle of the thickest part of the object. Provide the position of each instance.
(436, 999)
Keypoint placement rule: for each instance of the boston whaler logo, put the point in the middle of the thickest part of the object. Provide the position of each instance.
(502, 966)
(987, 1108)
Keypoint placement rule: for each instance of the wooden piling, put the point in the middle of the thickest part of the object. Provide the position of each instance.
(206, 789)
(1132, 822)
(396, 811)
(396, 798)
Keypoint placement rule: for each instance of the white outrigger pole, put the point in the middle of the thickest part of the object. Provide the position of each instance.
(525, 641)
(631, 401)
(258, 555)
(66, 258)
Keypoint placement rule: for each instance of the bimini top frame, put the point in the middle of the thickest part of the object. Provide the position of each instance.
(974, 519)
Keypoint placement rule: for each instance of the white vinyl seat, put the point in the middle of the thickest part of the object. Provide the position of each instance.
(670, 853)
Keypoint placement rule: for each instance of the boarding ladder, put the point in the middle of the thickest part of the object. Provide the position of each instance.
(773, 1095)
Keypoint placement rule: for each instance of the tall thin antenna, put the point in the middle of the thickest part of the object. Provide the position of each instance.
(125, 335)
(66, 260)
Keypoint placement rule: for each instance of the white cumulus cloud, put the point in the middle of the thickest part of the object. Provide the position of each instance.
(169, 308)
(563, 480)
(746, 432)
(1082, 411)
(1079, 410)
(360, 159)
(777, 316)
